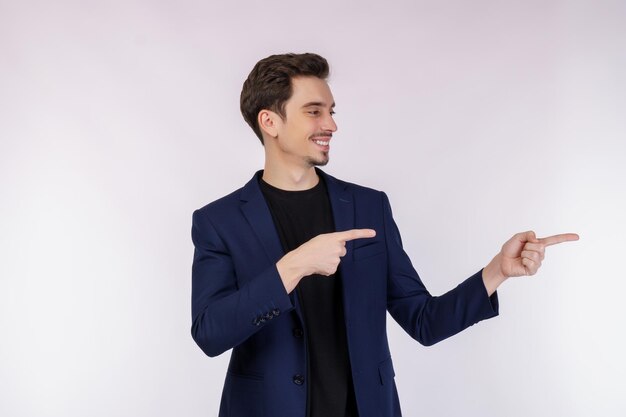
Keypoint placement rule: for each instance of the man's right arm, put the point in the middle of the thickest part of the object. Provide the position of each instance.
(225, 313)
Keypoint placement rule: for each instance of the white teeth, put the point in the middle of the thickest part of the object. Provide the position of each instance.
(321, 142)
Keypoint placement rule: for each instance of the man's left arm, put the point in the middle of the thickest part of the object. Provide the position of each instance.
(430, 319)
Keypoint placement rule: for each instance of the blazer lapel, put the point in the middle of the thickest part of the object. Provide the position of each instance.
(258, 214)
(342, 203)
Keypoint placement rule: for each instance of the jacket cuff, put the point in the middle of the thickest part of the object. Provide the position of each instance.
(271, 298)
(487, 307)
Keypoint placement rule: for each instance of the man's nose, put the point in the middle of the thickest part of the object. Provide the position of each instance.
(329, 123)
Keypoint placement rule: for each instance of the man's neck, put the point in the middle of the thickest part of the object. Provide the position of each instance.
(295, 179)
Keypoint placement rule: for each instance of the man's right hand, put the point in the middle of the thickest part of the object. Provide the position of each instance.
(320, 255)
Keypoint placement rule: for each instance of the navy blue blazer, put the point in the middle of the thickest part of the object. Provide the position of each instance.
(240, 303)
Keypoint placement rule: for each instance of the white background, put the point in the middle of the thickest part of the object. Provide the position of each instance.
(480, 119)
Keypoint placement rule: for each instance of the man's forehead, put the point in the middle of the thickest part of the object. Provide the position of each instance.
(310, 91)
(318, 104)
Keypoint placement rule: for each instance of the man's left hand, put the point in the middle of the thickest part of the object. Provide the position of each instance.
(521, 255)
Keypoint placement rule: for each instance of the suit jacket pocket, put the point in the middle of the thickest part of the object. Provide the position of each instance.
(386, 372)
(243, 395)
(389, 405)
(369, 250)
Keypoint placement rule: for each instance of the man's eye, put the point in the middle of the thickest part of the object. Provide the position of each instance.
(317, 112)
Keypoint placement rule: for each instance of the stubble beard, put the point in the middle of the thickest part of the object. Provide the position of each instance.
(318, 162)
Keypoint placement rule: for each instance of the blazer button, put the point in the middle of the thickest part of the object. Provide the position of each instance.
(276, 312)
(298, 379)
(298, 333)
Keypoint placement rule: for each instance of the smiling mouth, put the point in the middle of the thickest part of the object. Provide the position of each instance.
(321, 142)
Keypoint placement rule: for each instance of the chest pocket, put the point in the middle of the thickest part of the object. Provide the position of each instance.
(369, 250)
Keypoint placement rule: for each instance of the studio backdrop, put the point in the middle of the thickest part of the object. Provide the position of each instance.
(118, 119)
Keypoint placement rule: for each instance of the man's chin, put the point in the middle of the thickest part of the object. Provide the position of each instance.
(318, 162)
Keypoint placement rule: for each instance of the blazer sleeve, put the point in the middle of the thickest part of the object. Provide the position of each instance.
(426, 318)
(225, 314)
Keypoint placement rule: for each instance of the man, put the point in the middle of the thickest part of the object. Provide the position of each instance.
(296, 270)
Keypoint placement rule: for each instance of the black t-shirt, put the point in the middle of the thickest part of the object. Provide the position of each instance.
(300, 216)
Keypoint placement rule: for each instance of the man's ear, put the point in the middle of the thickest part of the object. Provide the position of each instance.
(268, 122)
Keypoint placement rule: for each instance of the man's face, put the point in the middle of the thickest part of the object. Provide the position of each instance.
(305, 133)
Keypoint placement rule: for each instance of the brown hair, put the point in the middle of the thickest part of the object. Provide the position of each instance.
(268, 85)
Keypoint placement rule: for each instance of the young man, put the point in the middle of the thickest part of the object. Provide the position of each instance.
(296, 270)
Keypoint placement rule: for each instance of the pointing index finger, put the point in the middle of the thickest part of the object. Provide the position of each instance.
(355, 234)
(553, 240)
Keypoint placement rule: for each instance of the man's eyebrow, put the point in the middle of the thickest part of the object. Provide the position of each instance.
(317, 104)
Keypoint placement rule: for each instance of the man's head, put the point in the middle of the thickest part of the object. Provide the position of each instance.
(270, 84)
